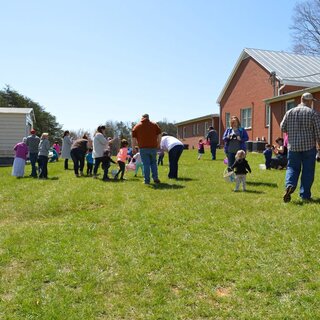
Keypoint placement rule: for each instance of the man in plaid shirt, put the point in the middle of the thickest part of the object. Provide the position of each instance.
(302, 124)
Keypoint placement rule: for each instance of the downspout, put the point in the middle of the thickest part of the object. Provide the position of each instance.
(220, 124)
(270, 124)
(279, 90)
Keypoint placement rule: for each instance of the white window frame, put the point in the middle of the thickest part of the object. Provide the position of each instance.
(246, 118)
(228, 119)
(206, 126)
(268, 115)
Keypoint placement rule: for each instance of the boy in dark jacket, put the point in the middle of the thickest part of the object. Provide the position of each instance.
(241, 168)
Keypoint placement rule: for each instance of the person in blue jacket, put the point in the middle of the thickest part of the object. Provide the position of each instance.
(234, 140)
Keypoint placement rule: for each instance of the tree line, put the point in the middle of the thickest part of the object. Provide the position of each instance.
(46, 122)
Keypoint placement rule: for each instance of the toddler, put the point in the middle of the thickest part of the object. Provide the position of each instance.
(241, 168)
(268, 155)
(106, 160)
(122, 158)
(200, 149)
(137, 160)
(89, 160)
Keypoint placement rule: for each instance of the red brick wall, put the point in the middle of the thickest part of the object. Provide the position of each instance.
(193, 139)
(278, 110)
(249, 86)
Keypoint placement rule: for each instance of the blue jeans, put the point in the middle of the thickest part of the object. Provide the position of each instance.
(306, 160)
(43, 166)
(77, 157)
(174, 155)
(149, 160)
(231, 158)
(213, 149)
(33, 160)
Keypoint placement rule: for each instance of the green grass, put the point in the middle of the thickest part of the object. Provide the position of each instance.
(188, 249)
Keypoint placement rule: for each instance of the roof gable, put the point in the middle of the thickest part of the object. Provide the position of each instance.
(290, 68)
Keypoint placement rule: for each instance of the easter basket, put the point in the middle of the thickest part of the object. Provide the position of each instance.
(228, 176)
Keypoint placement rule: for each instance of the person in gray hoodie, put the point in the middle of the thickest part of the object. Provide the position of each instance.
(43, 155)
(33, 145)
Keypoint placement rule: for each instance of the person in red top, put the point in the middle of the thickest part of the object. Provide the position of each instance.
(146, 134)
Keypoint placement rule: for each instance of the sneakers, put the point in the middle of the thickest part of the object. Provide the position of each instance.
(156, 181)
(287, 195)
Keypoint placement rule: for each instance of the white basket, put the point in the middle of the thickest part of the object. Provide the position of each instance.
(114, 172)
(228, 176)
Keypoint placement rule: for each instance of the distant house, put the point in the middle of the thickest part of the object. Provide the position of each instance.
(259, 75)
(15, 123)
(190, 131)
(281, 104)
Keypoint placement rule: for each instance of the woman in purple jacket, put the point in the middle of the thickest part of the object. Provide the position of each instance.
(21, 152)
(234, 139)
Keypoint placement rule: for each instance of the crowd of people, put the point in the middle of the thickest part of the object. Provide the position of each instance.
(150, 145)
(296, 151)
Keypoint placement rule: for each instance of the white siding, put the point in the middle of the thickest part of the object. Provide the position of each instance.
(13, 127)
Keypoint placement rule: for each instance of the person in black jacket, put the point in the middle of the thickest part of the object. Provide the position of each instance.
(241, 168)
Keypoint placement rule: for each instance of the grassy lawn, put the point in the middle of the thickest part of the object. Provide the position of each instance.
(79, 248)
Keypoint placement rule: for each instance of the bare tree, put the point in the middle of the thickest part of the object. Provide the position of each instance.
(306, 27)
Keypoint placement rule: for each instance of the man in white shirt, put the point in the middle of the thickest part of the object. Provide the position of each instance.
(174, 147)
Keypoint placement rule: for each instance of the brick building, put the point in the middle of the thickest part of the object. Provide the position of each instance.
(259, 75)
(190, 131)
(281, 104)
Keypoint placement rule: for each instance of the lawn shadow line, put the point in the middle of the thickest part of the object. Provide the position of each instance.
(301, 202)
(254, 191)
(162, 185)
(267, 184)
(186, 179)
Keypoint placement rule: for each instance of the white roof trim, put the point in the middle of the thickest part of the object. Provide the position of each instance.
(292, 94)
(16, 110)
(243, 56)
(209, 116)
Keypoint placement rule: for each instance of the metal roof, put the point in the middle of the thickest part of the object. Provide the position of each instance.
(290, 68)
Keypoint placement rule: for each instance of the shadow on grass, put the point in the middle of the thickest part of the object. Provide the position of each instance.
(301, 202)
(254, 191)
(162, 185)
(53, 178)
(186, 179)
(267, 184)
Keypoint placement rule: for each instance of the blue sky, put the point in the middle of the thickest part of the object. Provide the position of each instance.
(87, 62)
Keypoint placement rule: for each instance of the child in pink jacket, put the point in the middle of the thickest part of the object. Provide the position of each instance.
(122, 158)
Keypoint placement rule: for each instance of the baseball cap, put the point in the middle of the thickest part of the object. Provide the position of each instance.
(308, 96)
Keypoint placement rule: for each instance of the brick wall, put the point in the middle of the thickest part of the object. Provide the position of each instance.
(248, 88)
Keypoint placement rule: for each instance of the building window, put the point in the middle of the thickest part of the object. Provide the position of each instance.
(268, 115)
(246, 118)
(206, 126)
(197, 128)
(194, 130)
(184, 132)
(290, 104)
(228, 120)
